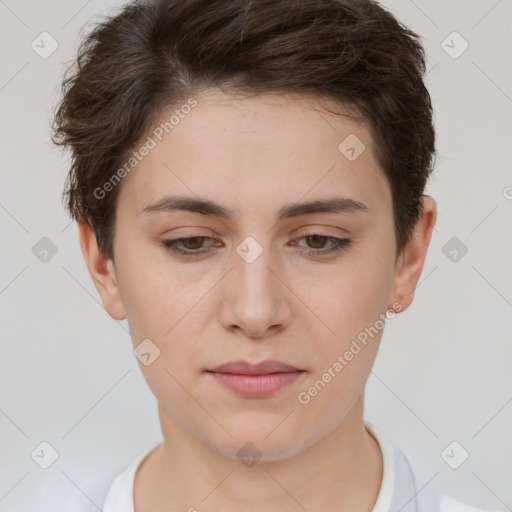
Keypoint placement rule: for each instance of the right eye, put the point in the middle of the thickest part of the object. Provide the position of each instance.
(187, 246)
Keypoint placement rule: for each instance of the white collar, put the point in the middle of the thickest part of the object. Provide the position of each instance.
(120, 493)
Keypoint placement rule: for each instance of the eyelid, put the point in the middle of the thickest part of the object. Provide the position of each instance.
(321, 229)
(338, 244)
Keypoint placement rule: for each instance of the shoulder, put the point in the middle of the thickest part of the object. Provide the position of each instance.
(399, 490)
(89, 493)
(107, 491)
(450, 504)
(120, 493)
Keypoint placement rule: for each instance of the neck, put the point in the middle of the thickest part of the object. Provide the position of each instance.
(343, 471)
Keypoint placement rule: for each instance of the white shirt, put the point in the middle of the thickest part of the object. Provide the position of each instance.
(398, 491)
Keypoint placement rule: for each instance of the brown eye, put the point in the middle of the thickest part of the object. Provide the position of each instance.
(190, 246)
(318, 241)
(193, 243)
(323, 245)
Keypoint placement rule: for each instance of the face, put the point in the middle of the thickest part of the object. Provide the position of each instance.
(292, 259)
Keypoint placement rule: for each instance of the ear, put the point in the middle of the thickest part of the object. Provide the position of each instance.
(102, 272)
(412, 258)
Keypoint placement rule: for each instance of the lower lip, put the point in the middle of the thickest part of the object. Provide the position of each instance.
(256, 386)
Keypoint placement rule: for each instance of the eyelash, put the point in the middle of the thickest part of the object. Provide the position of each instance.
(339, 244)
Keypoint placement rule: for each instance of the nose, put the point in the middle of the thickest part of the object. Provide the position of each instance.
(256, 302)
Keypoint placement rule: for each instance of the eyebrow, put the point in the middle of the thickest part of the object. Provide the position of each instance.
(208, 207)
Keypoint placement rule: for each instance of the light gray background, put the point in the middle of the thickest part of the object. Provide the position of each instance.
(67, 372)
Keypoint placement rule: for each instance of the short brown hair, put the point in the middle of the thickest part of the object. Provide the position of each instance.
(154, 53)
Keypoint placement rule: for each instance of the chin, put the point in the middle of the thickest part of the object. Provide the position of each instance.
(259, 438)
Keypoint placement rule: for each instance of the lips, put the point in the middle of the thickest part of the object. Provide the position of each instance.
(246, 368)
(255, 380)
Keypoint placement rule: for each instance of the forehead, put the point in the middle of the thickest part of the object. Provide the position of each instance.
(259, 152)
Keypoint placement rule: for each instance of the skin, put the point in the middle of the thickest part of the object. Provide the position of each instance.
(254, 155)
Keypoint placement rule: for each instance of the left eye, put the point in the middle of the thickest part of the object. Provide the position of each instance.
(337, 244)
(192, 246)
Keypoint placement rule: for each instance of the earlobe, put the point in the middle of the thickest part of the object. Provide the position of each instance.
(412, 259)
(102, 272)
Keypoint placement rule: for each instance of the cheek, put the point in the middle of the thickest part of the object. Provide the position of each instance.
(351, 305)
(148, 307)
(327, 399)
(348, 299)
(169, 308)
(155, 295)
